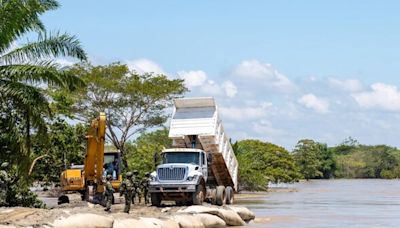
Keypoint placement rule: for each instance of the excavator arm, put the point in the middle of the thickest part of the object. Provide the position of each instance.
(93, 168)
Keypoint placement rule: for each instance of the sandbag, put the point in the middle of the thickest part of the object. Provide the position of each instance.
(188, 221)
(243, 212)
(169, 223)
(200, 209)
(152, 222)
(231, 217)
(84, 221)
(127, 223)
(160, 223)
(211, 221)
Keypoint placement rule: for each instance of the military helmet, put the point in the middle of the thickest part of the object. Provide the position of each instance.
(4, 165)
(135, 172)
(108, 177)
(129, 174)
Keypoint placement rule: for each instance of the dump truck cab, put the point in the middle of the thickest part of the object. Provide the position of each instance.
(180, 171)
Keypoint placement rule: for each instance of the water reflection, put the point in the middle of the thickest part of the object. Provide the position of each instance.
(330, 203)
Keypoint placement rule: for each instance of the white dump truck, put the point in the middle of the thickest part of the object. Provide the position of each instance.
(201, 165)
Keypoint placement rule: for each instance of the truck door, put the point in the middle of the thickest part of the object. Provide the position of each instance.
(204, 166)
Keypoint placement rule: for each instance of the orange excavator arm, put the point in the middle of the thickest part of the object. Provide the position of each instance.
(93, 168)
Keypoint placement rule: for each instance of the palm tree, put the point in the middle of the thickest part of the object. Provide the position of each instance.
(25, 70)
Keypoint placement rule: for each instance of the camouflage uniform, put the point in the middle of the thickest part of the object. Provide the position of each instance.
(4, 179)
(127, 189)
(108, 193)
(136, 185)
(145, 187)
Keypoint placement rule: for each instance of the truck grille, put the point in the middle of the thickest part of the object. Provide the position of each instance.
(175, 173)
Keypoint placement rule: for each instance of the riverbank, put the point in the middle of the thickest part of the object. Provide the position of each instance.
(22, 217)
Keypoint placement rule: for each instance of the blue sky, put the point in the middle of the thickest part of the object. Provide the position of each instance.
(280, 70)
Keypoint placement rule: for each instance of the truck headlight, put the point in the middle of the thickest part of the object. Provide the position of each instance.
(190, 178)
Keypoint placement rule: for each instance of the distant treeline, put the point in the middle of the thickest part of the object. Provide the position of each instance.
(262, 162)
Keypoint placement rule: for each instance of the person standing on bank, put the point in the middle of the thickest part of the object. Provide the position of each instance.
(136, 186)
(127, 190)
(108, 193)
(145, 187)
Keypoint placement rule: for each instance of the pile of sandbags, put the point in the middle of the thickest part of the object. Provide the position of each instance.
(190, 217)
(232, 216)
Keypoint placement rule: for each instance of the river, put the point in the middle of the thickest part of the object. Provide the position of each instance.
(330, 203)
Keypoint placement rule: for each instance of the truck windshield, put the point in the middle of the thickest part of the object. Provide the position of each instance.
(181, 157)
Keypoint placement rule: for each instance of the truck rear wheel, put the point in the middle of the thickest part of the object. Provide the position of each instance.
(220, 197)
(155, 199)
(198, 196)
(229, 195)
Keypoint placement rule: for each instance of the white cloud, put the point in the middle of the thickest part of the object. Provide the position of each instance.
(350, 85)
(382, 96)
(211, 88)
(193, 78)
(244, 113)
(262, 73)
(142, 66)
(317, 104)
(230, 89)
(264, 127)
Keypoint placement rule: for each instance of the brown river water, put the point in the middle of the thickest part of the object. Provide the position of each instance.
(329, 203)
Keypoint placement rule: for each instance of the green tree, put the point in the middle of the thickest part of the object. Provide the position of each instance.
(328, 161)
(261, 162)
(307, 155)
(66, 145)
(140, 152)
(26, 68)
(132, 102)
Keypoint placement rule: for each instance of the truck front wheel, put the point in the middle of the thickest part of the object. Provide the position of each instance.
(221, 197)
(198, 196)
(155, 199)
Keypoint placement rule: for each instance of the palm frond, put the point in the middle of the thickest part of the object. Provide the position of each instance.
(41, 72)
(24, 96)
(47, 46)
(18, 17)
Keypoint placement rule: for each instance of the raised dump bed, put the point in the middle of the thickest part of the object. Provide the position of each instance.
(195, 123)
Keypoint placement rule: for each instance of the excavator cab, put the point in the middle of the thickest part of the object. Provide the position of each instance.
(112, 166)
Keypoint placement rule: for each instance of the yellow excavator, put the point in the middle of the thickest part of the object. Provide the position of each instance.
(89, 179)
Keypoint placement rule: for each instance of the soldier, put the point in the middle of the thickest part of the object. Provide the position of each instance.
(108, 193)
(127, 189)
(4, 179)
(136, 185)
(145, 187)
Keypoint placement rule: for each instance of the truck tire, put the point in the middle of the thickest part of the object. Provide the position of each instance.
(220, 197)
(155, 199)
(229, 195)
(198, 196)
(63, 199)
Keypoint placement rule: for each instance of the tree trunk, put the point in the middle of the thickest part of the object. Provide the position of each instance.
(28, 134)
